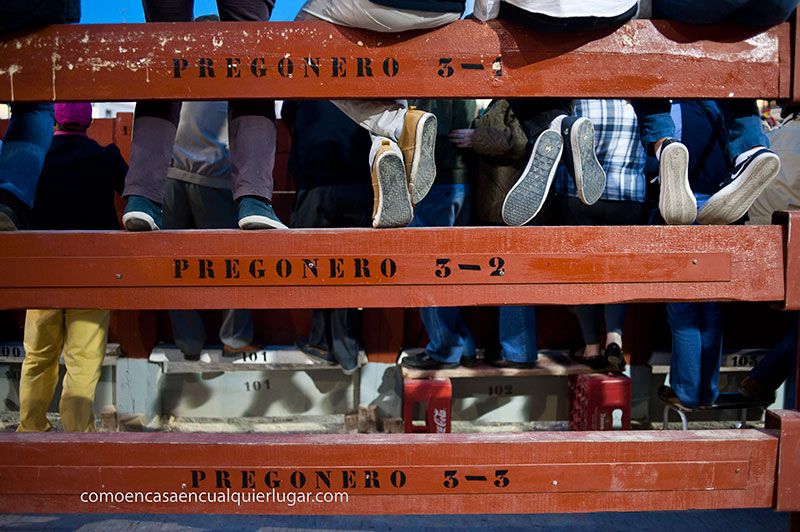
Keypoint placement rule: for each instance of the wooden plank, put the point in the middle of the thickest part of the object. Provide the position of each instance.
(394, 474)
(550, 363)
(791, 222)
(532, 265)
(319, 60)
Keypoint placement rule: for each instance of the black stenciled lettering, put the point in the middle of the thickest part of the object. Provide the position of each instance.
(197, 477)
(310, 266)
(398, 478)
(363, 67)
(206, 65)
(271, 482)
(336, 268)
(178, 66)
(339, 65)
(232, 67)
(285, 67)
(283, 268)
(258, 68)
(223, 479)
(231, 268)
(257, 269)
(248, 479)
(348, 479)
(206, 268)
(181, 265)
(371, 479)
(388, 268)
(298, 479)
(391, 67)
(313, 64)
(445, 69)
(361, 267)
(324, 476)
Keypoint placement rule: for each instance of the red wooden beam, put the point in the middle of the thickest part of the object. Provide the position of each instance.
(394, 474)
(390, 268)
(319, 60)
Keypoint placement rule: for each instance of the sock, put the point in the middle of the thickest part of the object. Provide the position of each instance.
(741, 158)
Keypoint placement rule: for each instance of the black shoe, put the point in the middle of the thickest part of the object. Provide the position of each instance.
(317, 353)
(191, 358)
(581, 159)
(614, 358)
(510, 364)
(597, 363)
(13, 213)
(469, 362)
(425, 361)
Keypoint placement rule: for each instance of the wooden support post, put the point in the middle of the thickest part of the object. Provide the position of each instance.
(787, 489)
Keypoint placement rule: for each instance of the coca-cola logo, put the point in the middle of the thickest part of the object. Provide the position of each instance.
(440, 419)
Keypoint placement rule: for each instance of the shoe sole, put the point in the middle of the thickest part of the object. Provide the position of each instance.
(256, 221)
(676, 201)
(590, 178)
(394, 202)
(137, 221)
(7, 223)
(423, 163)
(526, 197)
(733, 201)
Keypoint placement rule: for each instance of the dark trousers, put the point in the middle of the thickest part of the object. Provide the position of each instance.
(251, 123)
(335, 330)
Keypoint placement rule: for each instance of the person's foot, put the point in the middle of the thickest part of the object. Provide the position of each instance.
(425, 361)
(528, 194)
(469, 361)
(255, 213)
(391, 205)
(141, 214)
(676, 200)
(581, 159)
(417, 143)
(228, 351)
(668, 395)
(597, 362)
(751, 389)
(317, 353)
(748, 180)
(614, 358)
(510, 364)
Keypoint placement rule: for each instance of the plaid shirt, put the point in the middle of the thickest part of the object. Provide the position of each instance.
(618, 149)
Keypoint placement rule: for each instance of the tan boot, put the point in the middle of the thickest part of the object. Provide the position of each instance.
(391, 206)
(418, 144)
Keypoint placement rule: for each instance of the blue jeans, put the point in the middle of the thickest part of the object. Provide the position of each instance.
(696, 351)
(779, 364)
(742, 124)
(450, 339)
(747, 12)
(25, 145)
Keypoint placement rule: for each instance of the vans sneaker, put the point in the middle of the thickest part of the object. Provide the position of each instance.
(141, 214)
(748, 180)
(255, 213)
(676, 200)
(527, 196)
(417, 142)
(391, 206)
(581, 159)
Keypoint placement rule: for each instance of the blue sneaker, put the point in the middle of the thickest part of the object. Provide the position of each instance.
(141, 214)
(255, 213)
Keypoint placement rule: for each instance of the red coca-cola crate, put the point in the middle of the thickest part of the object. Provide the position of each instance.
(435, 396)
(599, 402)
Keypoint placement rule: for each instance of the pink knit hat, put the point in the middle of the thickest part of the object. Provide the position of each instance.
(74, 118)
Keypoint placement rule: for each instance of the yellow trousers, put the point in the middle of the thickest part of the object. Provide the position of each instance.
(82, 335)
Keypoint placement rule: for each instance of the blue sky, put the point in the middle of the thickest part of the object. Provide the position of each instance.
(110, 11)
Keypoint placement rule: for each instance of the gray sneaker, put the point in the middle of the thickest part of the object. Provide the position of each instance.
(526, 197)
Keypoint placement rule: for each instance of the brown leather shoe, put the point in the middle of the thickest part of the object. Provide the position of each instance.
(391, 204)
(418, 144)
